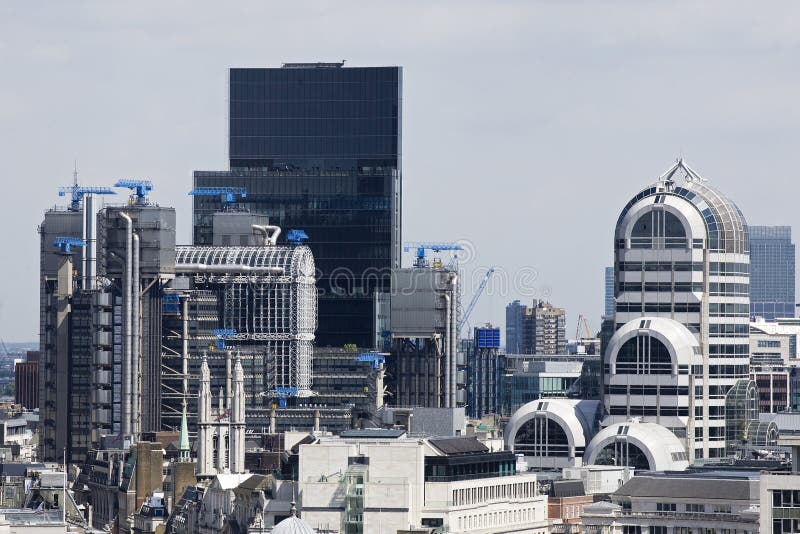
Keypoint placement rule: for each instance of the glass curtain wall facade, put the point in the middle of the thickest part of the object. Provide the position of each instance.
(318, 148)
(772, 277)
(515, 311)
(682, 252)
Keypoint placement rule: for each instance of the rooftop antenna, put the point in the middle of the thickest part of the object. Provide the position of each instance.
(75, 175)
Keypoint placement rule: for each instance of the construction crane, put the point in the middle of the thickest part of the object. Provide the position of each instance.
(376, 359)
(222, 334)
(77, 192)
(66, 244)
(420, 248)
(227, 195)
(582, 320)
(296, 237)
(475, 298)
(140, 190)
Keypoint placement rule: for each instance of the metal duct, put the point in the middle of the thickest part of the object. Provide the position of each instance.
(136, 339)
(126, 327)
(270, 240)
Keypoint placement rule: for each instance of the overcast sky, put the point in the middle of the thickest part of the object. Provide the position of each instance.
(526, 125)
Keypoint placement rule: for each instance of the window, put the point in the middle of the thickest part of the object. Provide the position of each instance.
(658, 229)
(666, 507)
(695, 508)
(644, 354)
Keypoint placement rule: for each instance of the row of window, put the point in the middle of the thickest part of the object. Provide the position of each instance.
(728, 349)
(521, 490)
(632, 369)
(717, 309)
(662, 266)
(496, 519)
(677, 287)
(729, 330)
(731, 371)
(677, 307)
(728, 289)
(647, 390)
(633, 411)
(723, 268)
(292, 127)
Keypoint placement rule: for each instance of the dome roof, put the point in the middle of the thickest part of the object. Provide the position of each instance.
(293, 525)
(725, 225)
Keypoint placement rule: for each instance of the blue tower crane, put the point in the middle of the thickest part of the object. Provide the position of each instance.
(296, 237)
(227, 194)
(140, 188)
(420, 248)
(221, 334)
(77, 192)
(66, 244)
(474, 300)
(376, 359)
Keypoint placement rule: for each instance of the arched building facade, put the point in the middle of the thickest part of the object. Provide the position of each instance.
(681, 253)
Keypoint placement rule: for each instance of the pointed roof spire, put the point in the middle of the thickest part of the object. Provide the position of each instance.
(205, 373)
(183, 439)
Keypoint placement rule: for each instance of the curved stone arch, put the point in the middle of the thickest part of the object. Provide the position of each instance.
(560, 411)
(663, 449)
(678, 340)
(685, 211)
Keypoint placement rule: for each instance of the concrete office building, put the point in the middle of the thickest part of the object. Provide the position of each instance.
(544, 329)
(665, 503)
(779, 496)
(381, 481)
(318, 146)
(424, 365)
(681, 260)
(772, 272)
(774, 342)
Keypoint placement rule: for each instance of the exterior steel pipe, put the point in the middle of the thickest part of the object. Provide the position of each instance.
(136, 340)
(454, 340)
(223, 268)
(185, 350)
(126, 327)
(448, 350)
(270, 240)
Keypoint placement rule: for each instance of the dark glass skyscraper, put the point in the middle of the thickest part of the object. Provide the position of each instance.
(771, 272)
(318, 148)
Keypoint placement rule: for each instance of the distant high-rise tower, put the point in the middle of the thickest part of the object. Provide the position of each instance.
(772, 275)
(318, 148)
(514, 313)
(544, 329)
(682, 314)
(608, 301)
(482, 371)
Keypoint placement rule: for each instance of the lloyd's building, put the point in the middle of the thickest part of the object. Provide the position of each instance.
(680, 354)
